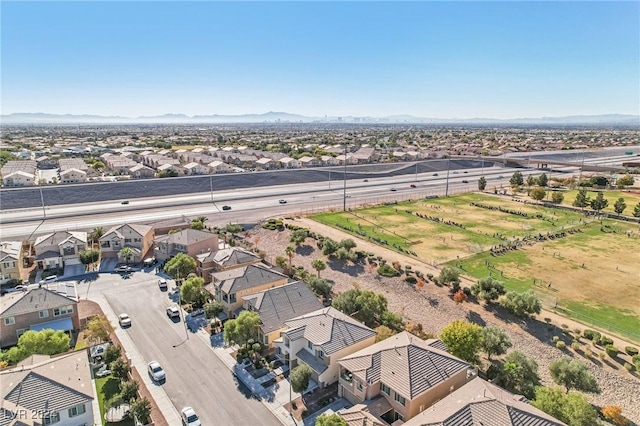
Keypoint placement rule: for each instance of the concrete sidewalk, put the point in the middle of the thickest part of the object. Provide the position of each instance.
(274, 398)
(163, 402)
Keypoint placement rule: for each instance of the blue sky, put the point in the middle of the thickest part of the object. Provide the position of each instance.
(428, 59)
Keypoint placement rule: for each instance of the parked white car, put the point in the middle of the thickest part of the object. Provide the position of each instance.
(156, 372)
(124, 320)
(189, 417)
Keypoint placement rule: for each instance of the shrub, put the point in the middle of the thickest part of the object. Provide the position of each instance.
(387, 271)
(577, 331)
(407, 268)
(587, 352)
(396, 265)
(561, 345)
(601, 355)
(430, 276)
(591, 335)
(411, 279)
(556, 338)
(466, 291)
(575, 346)
(635, 358)
(459, 296)
(611, 350)
(631, 350)
(628, 367)
(606, 341)
(613, 413)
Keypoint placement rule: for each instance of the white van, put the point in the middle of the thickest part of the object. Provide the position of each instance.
(49, 279)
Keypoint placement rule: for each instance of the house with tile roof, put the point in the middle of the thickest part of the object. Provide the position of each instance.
(403, 375)
(56, 390)
(59, 248)
(482, 403)
(223, 259)
(137, 237)
(277, 305)
(37, 310)
(10, 254)
(190, 241)
(230, 286)
(320, 339)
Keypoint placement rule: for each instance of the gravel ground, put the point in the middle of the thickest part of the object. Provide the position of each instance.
(432, 307)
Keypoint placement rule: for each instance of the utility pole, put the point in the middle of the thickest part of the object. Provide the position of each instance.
(446, 190)
(344, 185)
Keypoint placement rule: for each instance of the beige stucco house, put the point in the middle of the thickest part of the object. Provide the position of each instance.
(320, 339)
(59, 248)
(139, 238)
(409, 373)
(190, 241)
(10, 254)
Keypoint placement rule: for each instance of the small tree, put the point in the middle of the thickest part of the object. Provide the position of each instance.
(330, 420)
(572, 408)
(98, 329)
(613, 413)
(329, 246)
(364, 305)
(573, 375)
(488, 289)
(320, 287)
(196, 224)
(45, 342)
(348, 244)
(619, 205)
(625, 180)
(192, 291)
(459, 296)
(299, 378)
(212, 309)
(243, 328)
(119, 369)
(281, 262)
(543, 180)
(494, 342)
(516, 179)
(112, 353)
(519, 374)
(128, 390)
(290, 252)
(89, 256)
(298, 236)
(463, 339)
(449, 276)
(141, 410)
(319, 265)
(521, 304)
(180, 266)
(636, 210)
(482, 183)
(582, 200)
(599, 202)
(125, 253)
(538, 193)
(557, 197)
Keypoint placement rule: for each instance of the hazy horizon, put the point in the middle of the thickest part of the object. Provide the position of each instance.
(438, 60)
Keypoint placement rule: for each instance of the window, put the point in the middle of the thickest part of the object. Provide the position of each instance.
(399, 416)
(310, 345)
(64, 310)
(359, 385)
(232, 298)
(286, 341)
(52, 418)
(320, 354)
(385, 389)
(137, 240)
(127, 240)
(9, 321)
(105, 244)
(77, 410)
(44, 313)
(400, 398)
(69, 251)
(21, 331)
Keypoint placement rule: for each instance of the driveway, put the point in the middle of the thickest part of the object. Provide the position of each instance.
(195, 376)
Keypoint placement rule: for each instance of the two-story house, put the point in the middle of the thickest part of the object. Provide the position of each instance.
(319, 339)
(56, 390)
(221, 260)
(56, 249)
(277, 305)
(10, 253)
(190, 241)
(139, 238)
(228, 287)
(401, 376)
(35, 310)
(482, 403)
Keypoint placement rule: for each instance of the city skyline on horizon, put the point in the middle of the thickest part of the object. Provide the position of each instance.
(456, 60)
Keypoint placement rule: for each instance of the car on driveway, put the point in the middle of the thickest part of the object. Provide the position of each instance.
(189, 417)
(226, 207)
(162, 283)
(122, 269)
(173, 312)
(156, 372)
(124, 320)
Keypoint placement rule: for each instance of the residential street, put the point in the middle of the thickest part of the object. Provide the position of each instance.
(195, 375)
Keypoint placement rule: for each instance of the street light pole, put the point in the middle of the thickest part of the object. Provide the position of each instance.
(44, 212)
(344, 185)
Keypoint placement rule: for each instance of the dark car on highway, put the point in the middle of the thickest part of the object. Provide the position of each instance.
(226, 207)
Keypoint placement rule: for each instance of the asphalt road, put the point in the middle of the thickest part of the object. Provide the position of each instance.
(195, 376)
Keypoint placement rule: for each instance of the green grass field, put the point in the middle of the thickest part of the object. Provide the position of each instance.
(594, 273)
(108, 388)
(631, 199)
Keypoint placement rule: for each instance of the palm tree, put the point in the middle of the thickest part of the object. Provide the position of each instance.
(290, 252)
(202, 219)
(319, 265)
(95, 235)
(125, 253)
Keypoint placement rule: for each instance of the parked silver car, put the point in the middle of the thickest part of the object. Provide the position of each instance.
(156, 372)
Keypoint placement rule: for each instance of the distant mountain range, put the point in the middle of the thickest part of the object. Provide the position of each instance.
(284, 117)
